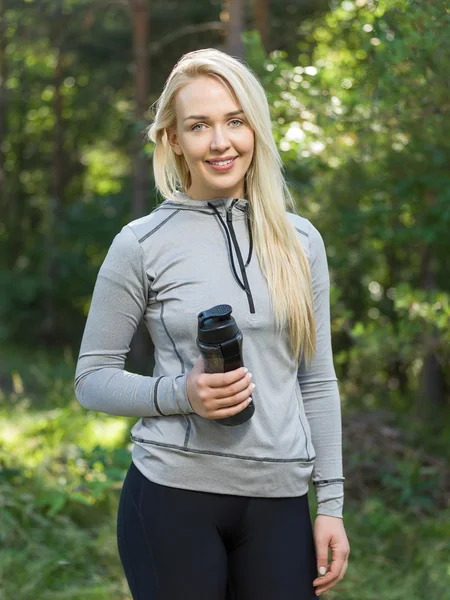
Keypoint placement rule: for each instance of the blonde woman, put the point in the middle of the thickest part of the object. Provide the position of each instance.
(209, 512)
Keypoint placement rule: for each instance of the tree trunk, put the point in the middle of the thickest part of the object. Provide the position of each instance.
(54, 203)
(140, 17)
(235, 27)
(261, 19)
(3, 100)
(430, 398)
(396, 366)
(141, 347)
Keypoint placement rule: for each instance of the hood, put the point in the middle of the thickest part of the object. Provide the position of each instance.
(239, 206)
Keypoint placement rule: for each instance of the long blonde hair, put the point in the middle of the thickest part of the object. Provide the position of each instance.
(281, 256)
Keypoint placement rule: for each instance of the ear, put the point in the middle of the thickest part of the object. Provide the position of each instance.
(172, 138)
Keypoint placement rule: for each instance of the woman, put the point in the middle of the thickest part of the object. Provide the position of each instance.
(209, 512)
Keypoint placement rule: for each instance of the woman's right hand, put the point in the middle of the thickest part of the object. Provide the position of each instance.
(218, 395)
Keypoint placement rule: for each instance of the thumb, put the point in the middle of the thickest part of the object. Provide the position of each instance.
(322, 558)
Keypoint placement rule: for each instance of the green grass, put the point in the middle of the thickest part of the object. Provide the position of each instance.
(62, 470)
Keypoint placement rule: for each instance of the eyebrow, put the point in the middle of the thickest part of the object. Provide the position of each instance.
(230, 114)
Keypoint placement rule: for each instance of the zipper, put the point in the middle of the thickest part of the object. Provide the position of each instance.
(239, 257)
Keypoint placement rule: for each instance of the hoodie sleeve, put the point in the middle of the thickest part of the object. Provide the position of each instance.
(320, 393)
(118, 304)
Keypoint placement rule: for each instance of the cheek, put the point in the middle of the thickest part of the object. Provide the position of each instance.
(197, 151)
(249, 149)
(248, 142)
(193, 149)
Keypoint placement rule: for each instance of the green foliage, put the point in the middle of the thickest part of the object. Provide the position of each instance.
(361, 122)
(81, 240)
(392, 557)
(61, 473)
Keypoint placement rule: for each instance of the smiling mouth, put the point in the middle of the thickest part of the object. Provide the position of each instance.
(222, 162)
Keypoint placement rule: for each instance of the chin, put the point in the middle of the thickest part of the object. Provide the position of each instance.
(226, 189)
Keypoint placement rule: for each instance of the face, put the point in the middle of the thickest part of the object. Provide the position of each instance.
(206, 132)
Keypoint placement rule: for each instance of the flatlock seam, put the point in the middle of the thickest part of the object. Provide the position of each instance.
(224, 454)
(300, 231)
(161, 316)
(183, 371)
(168, 206)
(178, 209)
(152, 231)
(301, 422)
(188, 432)
(321, 482)
(155, 397)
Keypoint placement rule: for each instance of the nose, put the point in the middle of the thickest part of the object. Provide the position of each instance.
(219, 140)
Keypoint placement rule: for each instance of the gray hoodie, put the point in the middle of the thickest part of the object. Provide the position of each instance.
(165, 268)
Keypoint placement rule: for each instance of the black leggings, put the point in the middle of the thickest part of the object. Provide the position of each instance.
(178, 544)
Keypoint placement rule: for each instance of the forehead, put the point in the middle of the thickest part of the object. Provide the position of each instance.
(205, 95)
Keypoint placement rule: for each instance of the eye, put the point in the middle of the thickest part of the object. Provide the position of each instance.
(193, 128)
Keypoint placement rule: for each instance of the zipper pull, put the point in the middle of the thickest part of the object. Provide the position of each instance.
(229, 211)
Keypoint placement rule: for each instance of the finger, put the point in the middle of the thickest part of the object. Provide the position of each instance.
(218, 380)
(230, 411)
(333, 573)
(344, 569)
(322, 578)
(320, 589)
(231, 400)
(223, 395)
(325, 586)
(322, 556)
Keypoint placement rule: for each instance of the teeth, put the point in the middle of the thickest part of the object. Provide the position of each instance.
(223, 162)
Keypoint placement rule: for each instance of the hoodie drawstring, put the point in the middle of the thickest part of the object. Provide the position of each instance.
(245, 286)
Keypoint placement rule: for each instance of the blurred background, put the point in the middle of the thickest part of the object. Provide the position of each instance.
(360, 102)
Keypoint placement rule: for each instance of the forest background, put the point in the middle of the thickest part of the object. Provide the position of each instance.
(360, 101)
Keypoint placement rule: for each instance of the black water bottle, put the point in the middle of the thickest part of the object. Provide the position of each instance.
(219, 340)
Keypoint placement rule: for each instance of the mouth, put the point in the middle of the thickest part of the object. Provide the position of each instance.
(222, 165)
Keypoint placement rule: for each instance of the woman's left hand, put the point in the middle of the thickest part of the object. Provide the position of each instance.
(329, 532)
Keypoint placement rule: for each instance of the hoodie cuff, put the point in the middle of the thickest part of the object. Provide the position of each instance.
(171, 396)
(330, 498)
